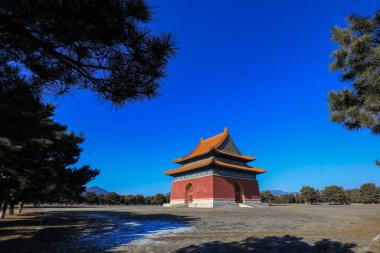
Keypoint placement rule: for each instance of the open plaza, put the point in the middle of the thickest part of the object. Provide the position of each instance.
(292, 228)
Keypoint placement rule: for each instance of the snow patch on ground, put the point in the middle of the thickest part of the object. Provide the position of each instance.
(377, 238)
(132, 224)
(118, 232)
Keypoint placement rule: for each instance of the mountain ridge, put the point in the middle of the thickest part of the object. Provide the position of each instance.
(280, 192)
(97, 190)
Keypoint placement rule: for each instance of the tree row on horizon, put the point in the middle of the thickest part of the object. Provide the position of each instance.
(368, 193)
(113, 198)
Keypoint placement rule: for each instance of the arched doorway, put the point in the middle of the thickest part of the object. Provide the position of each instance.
(238, 193)
(189, 194)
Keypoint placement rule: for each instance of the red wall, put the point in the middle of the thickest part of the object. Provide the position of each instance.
(202, 188)
(224, 187)
(215, 187)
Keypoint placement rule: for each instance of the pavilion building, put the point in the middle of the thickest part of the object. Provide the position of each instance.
(215, 174)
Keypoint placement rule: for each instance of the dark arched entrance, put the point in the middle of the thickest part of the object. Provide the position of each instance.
(238, 194)
(189, 194)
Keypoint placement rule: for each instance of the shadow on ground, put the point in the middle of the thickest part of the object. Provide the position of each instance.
(100, 231)
(63, 231)
(272, 244)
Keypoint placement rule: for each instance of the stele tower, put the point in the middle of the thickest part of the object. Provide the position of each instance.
(215, 174)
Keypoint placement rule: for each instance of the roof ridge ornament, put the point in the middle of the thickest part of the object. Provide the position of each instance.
(209, 144)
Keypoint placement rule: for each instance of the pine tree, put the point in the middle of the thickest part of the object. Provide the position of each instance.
(35, 152)
(353, 195)
(112, 198)
(266, 196)
(368, 193)
(91, 198)
(358, 60)
(288, 198)
(310, 195)
(334, 194)
(103, 46)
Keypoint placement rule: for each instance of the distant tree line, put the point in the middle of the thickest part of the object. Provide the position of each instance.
(368, 193)
(112, 198)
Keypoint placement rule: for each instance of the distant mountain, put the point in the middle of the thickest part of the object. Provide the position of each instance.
(96, 189)
(280, 193)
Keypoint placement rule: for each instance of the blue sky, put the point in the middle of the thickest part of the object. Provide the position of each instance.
(258, 67)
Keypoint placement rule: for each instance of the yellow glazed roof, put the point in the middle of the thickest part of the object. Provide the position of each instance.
(212, 161)
(212, 144)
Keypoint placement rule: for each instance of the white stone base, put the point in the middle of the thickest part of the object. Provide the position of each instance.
(222, 203)
(212, 203)
(256, 203)
(202, 203)
(253, 202)
(177, 202)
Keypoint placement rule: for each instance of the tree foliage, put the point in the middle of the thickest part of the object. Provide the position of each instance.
(368, 193)
(99, 45)
(358, 60)
(352, 195)
(334, 194)
(310, 195)
(102, 46)
(113, 198)
(266, 196)
(288, 198)
(36, 153)
(91, 198)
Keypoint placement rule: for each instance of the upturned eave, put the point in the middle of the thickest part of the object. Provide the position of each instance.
(212, 161)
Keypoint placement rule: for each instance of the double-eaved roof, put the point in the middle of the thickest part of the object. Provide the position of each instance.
(211, 151)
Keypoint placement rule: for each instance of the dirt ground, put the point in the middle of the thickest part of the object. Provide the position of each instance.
(300, 228)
